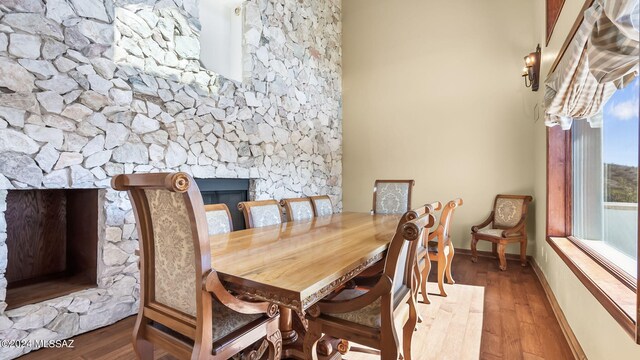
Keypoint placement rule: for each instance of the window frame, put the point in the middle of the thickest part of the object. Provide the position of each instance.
(559, 214)
(559, 225)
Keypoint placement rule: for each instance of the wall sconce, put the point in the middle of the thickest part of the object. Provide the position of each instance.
(531, 70)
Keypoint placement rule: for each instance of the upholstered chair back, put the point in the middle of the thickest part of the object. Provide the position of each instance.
(509, 209)
(218, 219)
(401, 255)
(172, 228)
(261, 213)
(392, 196)
(297, 209)
(321, 205)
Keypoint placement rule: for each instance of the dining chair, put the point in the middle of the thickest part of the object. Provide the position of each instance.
(218, 219)
(438, 247)
(508, 221)
(179, 312)
(260, 213)
(321, 205)
(392, 196)
(297, 208)
(376, 316)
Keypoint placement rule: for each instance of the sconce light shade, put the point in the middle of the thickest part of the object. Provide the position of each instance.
(531, 70)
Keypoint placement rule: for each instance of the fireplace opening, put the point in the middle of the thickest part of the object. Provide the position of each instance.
(226, 191)
(52, 239)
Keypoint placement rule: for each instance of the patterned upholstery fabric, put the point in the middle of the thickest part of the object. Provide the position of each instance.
(493, 232)
(265, 215)
(508, 212)
(392, 198)
(218, 221)
(174, 253)
(323, 207)
(367, 316)
(301, 210)
(225, 320)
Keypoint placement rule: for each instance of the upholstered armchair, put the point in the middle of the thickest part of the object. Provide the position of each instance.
(375, 317)
(260, 213)
(505, 225)
(179, 311)
(218, 219)
(392, 196)
(321, 205)
(297, 208)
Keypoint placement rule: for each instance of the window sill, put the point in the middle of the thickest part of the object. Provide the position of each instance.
(613, 294)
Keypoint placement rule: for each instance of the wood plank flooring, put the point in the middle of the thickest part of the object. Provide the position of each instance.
(488, 314)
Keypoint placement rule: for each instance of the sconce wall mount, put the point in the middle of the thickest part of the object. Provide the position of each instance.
(531, 70)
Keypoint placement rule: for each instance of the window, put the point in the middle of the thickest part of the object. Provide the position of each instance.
(221, 36)
(605, 181)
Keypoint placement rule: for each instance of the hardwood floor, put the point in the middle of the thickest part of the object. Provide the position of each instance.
(488, 314)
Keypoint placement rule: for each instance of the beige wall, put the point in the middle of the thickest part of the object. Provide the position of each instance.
(440, 79)
(432, 92)
(599, 334)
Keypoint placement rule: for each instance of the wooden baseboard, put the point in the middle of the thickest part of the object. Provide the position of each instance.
(576, 349)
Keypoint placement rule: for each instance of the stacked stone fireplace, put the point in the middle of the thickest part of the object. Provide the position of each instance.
(93, 88)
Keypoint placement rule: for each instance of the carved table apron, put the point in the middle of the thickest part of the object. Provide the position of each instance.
(297, 263)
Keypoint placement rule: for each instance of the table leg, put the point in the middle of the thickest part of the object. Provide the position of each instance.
(289, 334)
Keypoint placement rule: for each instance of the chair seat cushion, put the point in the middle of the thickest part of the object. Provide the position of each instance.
(367, 316)
(494, 232)
(226, 321)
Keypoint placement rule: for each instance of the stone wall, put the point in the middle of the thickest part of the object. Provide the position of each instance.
(93, 88)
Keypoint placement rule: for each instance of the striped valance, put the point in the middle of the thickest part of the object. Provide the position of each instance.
(602, 57)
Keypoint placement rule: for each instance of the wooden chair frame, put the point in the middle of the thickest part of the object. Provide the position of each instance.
(316, 198)
(198, 329)
(286, 204)
(411, 183)
(218, 207)
(515, 234)
(245, 207)
(440, 239)
(385, 338)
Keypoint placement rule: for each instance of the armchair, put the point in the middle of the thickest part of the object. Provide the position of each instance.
(376, 316)
(508, 221)
(218, 219)
(179, 311)
(297, 208)
(260, 213)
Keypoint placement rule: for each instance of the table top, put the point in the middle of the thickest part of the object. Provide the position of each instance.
(297, 263)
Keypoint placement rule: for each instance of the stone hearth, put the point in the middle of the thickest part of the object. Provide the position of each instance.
(94, 88)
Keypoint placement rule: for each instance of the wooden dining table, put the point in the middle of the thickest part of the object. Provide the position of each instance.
(295, 264)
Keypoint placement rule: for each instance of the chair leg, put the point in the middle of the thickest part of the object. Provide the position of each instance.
(449, 262)
(388, 353)
(425, 277)
(502, 257)
(494, 249)
(274, 340)
(474, 250)
(415, 286)
(523, 252)
(409, 327)
(442, 266)
(311, 341)
(142, 347)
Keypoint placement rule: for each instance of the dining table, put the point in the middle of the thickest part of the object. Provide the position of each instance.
(296, 264)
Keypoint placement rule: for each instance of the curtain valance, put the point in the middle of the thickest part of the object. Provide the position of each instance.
(602, 56)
